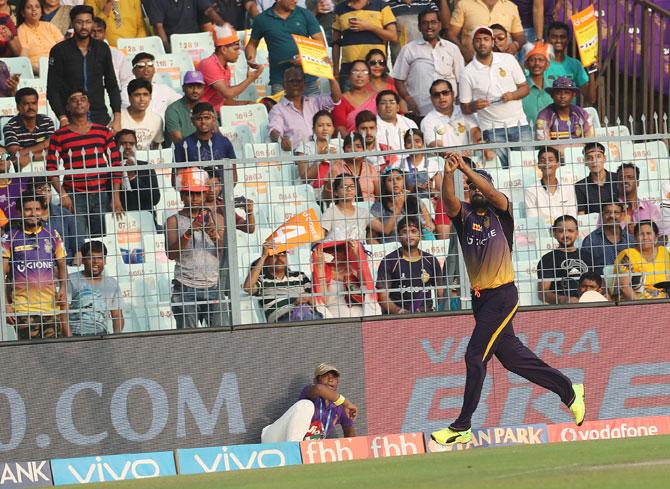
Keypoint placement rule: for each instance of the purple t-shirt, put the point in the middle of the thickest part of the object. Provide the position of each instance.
(329, 415)
(10, 195)
(553, 127)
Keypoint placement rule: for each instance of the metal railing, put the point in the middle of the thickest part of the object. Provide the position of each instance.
(138, 244)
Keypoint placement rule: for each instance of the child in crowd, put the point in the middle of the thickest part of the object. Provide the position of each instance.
(366, 124)
(366, 174)
(315, 172)
(344, 220)
(94, 296)
(423, 173)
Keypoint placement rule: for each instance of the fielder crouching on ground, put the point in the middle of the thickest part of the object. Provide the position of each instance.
(317, 412)
(485, 229)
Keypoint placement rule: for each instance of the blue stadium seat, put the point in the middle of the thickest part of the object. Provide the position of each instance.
(175, 64)
(197, 45)
(20, 65)
(134, 45)
(254, 117)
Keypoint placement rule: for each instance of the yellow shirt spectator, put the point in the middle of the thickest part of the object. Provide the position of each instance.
(130, 17)
(658, 270)
(37, 40)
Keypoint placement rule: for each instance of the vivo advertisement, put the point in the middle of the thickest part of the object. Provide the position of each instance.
(237, 457)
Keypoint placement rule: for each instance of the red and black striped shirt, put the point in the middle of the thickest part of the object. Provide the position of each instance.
(94, 149)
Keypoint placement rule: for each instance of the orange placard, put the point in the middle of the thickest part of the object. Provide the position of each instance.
(301, 229)
(586, 35)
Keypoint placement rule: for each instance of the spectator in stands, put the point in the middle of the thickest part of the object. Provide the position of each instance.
(178, 124)
(391, 126)
(194, 238)
(214, 200)
(367, 176)
(206, 143)
(559, 270)
(359, 97)
(592, 282)
(8, 82)
(162, 95)
(27, 134)
(379, 72)
(636, 209)
(319, 409)
(324, 12)
(366, 124)
(56, 13)
(290, 121)
(35, 275)
(8, 9)
(407, 276)
(234, 12)
(36, 36)
(469, 15)
(423, 61)
(501, 38)
(314, 172)
(61, 220)
(124, 18)
(139, 189)
(137, 117)
(492, 86)
(446, 125)
(601, 247)
(9, 40)
(533, 14)
(95, 297)
(406, 15)
(563, 65)
(179, 17)
(83, 144)
(423, 173)
(599, 186)
(647, 258)
(218, 72)
(395, 204)
(276, 25)
(344, 220)
(550, 199)
(537, 61)
(122, 68)
(10, 189)
(70, 70)
(284, 294)
(562, 119)
(360, 25)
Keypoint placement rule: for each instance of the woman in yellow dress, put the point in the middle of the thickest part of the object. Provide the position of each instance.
(646, 257)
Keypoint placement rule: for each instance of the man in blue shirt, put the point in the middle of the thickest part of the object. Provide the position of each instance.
(206, 143)
(601, 247)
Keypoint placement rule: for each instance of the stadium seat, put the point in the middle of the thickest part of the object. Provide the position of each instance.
(289, 171)
(133, 45)
(197, 45)
(170, 202)
(525, 272)
(175, 64)
(254, 116)
(8, 107)
(165, 78)
(513, 180)
(587, 224)
(618, 151)
(593, 114)
(436, 247)
(377, 252)
(44, 67)
(20, 65)
(522, 158)
(286, 201)
(156, 156)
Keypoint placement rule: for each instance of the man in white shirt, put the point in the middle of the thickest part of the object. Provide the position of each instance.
(420, 62)
(446, 125)
(124, 73)
(550, 199)
(148, 126)
(492, 86)
(162, 95)
(391, 126)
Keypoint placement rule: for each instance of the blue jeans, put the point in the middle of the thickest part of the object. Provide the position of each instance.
(510, 134)
(191, 305)
(89, 212)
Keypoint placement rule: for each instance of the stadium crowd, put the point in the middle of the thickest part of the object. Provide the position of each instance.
(408, 75)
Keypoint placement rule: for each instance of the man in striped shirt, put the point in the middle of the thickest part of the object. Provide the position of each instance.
(27, 134)
(84, 144)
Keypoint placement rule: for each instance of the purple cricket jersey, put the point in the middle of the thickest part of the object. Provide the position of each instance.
(329, 415)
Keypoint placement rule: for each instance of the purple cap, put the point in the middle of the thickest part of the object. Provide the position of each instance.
(193, 77)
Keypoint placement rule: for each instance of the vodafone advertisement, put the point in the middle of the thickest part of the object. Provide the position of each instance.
(415, 370)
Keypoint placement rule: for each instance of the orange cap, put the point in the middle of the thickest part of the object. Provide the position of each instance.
(225, 35)
(192, 180)
(3, 218)
(542, 49)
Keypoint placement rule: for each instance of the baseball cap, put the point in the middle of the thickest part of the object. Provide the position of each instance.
(324, 368)
(192, 180)
(225, 35)
(481, 28)
(193, 77)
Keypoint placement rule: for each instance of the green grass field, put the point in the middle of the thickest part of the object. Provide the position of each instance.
(608, 464)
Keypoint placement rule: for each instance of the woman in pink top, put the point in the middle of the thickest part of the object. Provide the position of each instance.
(364, 171)
(361, 96)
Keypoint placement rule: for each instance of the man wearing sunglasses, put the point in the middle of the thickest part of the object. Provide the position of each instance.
(485, 230)
(422, 61)
(162, 95)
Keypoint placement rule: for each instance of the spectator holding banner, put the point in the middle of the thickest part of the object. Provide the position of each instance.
(319, 409)
(407, 276)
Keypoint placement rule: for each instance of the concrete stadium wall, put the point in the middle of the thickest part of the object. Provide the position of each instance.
(143, 393)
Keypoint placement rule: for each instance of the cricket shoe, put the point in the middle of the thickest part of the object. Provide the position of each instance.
(448, 437)
(578, 407)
